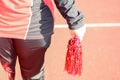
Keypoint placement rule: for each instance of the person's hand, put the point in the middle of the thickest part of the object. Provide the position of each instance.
(79, 32)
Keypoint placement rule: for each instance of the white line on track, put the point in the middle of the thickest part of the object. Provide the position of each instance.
(92, 25)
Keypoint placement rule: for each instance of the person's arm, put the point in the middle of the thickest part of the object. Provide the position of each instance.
(74, 18)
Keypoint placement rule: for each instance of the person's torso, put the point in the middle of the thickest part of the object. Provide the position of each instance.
(25, 19)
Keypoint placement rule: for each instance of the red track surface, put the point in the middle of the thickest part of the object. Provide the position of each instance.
(101, 46)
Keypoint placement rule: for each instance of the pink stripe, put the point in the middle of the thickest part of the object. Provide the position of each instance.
(49, 3)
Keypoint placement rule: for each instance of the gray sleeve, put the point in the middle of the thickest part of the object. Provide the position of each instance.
(67, 8)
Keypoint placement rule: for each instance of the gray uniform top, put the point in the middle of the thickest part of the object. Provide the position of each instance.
(33, 19)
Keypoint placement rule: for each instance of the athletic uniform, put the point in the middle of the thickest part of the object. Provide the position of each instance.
(26, 27)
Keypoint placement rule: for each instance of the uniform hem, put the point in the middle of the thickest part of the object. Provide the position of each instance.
(27, 37)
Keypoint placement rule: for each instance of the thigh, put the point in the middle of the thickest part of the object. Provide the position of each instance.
(31, 55)
(7, 54)
(7, 51)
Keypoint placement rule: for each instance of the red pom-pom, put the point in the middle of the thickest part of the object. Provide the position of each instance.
(73, 64)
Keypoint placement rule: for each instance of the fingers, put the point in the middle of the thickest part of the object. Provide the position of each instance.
(79, 32)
